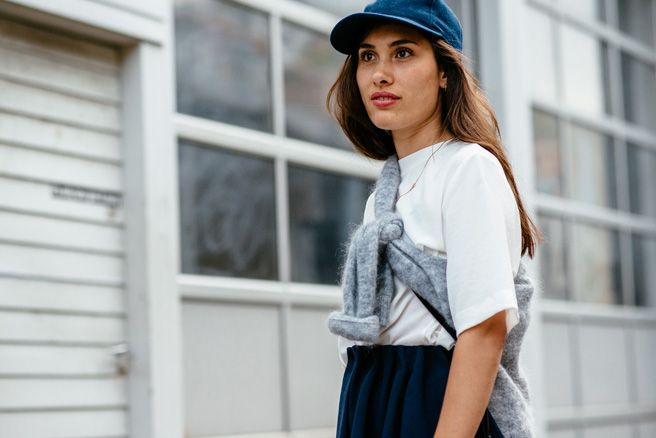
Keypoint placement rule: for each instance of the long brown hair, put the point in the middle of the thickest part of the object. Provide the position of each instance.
(464, 110)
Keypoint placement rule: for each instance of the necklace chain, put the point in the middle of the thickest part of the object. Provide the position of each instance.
(422, 171)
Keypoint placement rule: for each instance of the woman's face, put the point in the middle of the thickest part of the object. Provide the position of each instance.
(398, 78)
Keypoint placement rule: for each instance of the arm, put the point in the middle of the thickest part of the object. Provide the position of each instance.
(476, 358)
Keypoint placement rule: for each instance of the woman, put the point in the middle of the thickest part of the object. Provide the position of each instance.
(405, 96)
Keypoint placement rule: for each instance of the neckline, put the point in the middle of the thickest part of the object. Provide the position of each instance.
(411, 164)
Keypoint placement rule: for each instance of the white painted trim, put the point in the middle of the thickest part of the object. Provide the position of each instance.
(153, 325)
(307, 433)
(604, 124)
(308, 16)
(571, 417)
(561, 207)
(596, 313)
(239, 290)
(84, 14)
(268, 145)
(608, 32)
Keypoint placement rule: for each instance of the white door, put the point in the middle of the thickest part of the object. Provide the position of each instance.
(61, 236)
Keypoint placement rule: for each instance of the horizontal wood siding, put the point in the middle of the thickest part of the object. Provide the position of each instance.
(62, 304)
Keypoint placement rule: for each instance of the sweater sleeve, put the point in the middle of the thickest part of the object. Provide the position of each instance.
(344, 343)
(479, 213)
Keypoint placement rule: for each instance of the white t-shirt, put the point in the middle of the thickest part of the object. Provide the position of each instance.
(462, 206)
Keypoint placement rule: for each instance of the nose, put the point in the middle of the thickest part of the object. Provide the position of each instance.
(382, 74)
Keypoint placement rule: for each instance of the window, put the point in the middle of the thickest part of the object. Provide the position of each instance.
(311, 67)
(263, 67)
(636, 19)
(547, 153)
(642, 179)
(639, 86)
(323, 207)
(597, 273)
(584, 73)
(542, 61)
(592, 10)
(222, 63)
(592, 170)
(339, 7)
(553, 257)
(593, 150)
(227, 213)
(644, 274)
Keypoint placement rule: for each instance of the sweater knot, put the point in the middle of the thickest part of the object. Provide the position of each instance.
(390, 227)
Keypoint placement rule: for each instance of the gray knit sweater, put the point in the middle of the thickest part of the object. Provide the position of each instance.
(380, 249)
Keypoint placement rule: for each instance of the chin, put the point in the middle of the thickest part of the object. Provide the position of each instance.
(384, 121)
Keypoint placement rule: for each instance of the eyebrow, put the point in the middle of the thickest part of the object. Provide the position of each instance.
(395, 43)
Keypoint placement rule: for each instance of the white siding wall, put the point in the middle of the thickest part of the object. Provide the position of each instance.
(61, 249)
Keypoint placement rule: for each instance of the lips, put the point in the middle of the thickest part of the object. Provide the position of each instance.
(384, 99)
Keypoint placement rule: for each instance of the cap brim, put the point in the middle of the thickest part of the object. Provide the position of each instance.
(349, 30)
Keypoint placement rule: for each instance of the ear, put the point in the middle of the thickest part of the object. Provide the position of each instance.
(442, 79)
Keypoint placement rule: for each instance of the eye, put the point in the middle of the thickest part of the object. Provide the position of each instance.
(404, 50)
(364, 54)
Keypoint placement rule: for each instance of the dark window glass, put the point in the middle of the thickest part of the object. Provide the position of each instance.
(553, 258)
(324, 209)
(227, 213)
(547, 153)
(642, 180)
(644, 274)
(636, 18)
(597, 272)
(222, 63)
(311, 67)
(592, 174)
(639, 86)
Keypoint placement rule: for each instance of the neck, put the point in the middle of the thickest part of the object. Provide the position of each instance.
(409, 140)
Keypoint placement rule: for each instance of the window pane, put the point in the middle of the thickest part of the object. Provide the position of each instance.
(587, 9)
(597, 265)
(639, 84)
(592, 174)
(323, 209)
(311, 66)
(636, 19)
(339, 7)
(227, 213)
(584, 72)
(644, 274)
(222, 63)
(456, 7)
(642, 179)
(553, 258)
(547, 154)
(542, 59)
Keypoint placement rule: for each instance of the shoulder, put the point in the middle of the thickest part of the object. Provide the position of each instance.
(474, 155)
(475, 173)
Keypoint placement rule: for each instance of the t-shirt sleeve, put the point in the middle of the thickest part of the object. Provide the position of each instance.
(477, 218)
(369, 213)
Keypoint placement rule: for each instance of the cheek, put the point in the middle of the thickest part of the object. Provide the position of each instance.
(361, 81)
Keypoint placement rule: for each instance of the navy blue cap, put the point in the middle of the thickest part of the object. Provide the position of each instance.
(432, 16)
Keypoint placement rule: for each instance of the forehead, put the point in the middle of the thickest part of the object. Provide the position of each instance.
(388, 32)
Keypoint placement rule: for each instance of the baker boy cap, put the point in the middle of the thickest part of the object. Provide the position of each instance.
(432, 16)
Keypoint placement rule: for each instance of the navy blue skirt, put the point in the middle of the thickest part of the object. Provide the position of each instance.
(396, 391)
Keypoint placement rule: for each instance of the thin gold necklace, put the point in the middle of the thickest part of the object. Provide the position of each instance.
(422, 170)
